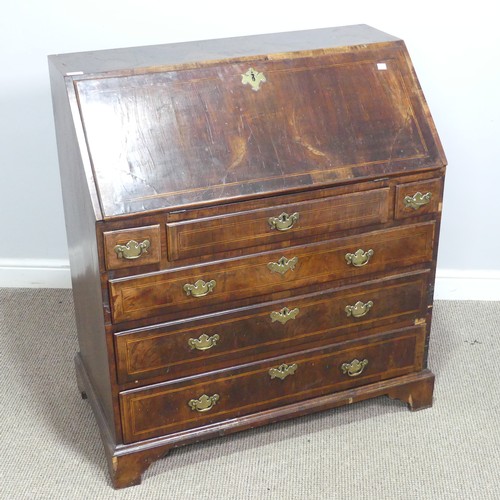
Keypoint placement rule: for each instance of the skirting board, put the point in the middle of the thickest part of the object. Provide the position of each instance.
(451, 284)
(34, 273)
(467, 284)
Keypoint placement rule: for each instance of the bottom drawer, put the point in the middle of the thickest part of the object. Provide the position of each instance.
(178, 405)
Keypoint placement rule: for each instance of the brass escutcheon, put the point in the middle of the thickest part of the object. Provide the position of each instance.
(354, 368)
(204, 403)
(132, 250)
(359, 258)
(200, 288)
(417, 200)
(204, 342)
(253, 78)
(283, 265)
(283, 222)
(283, 371)
(359, 309)
(284, 315)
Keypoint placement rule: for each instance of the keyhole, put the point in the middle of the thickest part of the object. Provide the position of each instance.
(253, 76)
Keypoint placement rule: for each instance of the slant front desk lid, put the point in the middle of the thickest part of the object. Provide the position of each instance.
(253, 123)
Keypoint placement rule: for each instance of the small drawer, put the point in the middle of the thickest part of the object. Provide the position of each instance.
(418, 198)
(209, 343)
(170, 407)
(215, 286)
(137, 246)
(277, 223)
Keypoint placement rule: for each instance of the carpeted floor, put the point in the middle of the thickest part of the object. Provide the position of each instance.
(377, 449)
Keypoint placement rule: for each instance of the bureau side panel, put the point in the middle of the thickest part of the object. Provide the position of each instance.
(81, 211)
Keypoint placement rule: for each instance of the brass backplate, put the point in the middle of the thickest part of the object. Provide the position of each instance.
(284, 315)
(203, 403)
(253, 78)
(132, 249)
(283, 371)
(283, 265)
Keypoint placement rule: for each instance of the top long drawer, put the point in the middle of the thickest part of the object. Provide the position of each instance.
(209, 286)
(286, 222)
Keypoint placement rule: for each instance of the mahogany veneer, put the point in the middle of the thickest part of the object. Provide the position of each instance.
(252, 227)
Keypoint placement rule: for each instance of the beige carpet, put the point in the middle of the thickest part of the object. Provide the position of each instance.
(50, 446)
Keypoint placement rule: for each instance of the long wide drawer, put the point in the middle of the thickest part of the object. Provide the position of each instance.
(218, 341)
(146, 296)
(288, 222)
(166, 408)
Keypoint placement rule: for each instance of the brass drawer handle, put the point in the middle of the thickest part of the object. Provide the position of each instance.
(417, 200)
(132, 250)
(283, 265)
(204, 342)
(284, 315)
(283, 222)
(283, 371)
(359, 258)
(359, 309)
(200, 288)
(204, 403)
(354, 368)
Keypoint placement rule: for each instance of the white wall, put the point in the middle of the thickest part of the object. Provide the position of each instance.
(455, 47)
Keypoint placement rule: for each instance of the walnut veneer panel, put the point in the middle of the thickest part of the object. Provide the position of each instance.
(230, 141)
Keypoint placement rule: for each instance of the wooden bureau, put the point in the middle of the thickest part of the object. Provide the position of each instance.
(252, 228)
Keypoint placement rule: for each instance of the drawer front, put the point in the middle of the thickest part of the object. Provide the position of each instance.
(132, 247)
(280, 223)
(253, 277)
(418, 198)
(217, 342)
(171, 407)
